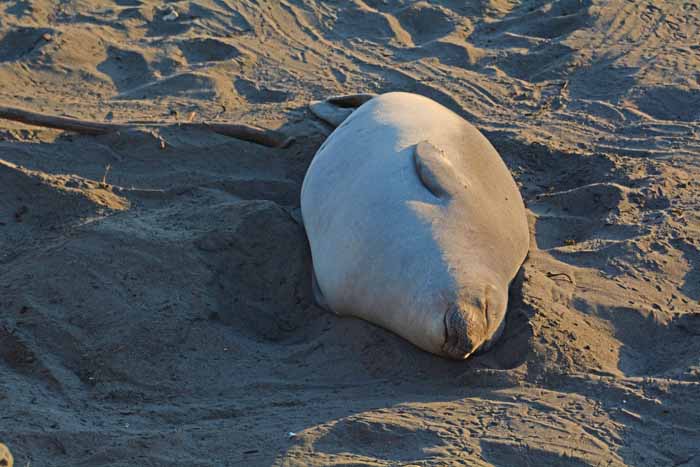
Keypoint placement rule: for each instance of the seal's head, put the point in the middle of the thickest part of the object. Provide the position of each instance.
(474, 322)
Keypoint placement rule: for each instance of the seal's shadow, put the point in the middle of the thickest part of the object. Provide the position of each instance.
(511, 350)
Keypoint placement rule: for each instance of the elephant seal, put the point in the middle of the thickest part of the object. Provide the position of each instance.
(415, 224)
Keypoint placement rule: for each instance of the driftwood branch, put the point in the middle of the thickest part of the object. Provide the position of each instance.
(270, 138)
(61, 123)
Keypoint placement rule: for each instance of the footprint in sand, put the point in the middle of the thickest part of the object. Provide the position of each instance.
(206, 49)
(21, 43)
(126, 68)
(670, 103)
(256, 94)
(425, 22)
(575, 216)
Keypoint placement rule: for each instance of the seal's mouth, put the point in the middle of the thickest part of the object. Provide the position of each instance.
(464, 333)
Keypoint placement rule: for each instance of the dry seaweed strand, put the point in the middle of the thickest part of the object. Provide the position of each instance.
(552, 275)
(270, 138)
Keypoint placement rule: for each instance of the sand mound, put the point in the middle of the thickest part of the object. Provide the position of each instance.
(426, 22)
(159, 313)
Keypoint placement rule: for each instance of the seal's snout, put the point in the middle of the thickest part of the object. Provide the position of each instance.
(465, 331)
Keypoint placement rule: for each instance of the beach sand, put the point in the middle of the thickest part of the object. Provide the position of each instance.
(155, 303)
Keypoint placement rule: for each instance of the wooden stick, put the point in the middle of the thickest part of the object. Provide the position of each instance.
(61, 123)
(270, 138)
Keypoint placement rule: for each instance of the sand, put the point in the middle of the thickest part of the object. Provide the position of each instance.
(155, 303)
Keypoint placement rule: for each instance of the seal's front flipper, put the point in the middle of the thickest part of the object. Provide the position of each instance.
(329, 113)
(435, 170)
(336, 109)
(351, 100)
(319, 299)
